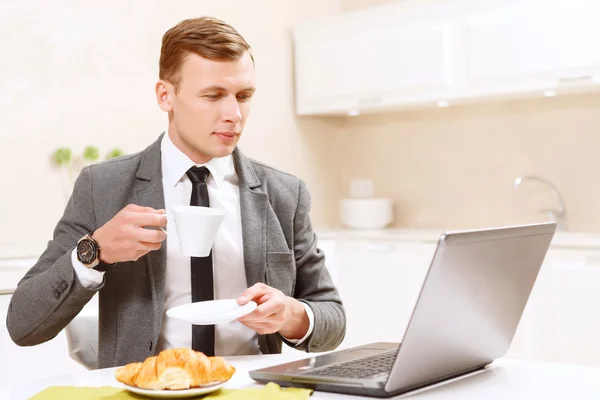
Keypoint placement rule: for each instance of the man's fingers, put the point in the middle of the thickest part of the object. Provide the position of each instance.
(263, 312)
(150, 235)
(262, 328)
(147, 219)
(263, 298)
(256, 317)
(258, 298)
(253, 292)
(136, 208)
(257, 324)
(151, 246)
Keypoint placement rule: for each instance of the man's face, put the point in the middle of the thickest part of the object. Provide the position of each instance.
(209, 111)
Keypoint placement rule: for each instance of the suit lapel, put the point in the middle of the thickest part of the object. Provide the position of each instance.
(149, 193)
(253, 208)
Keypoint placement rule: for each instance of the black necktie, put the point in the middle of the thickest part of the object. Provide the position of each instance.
(203, 336)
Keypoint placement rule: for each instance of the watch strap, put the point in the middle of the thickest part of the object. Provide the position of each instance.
(102, 267)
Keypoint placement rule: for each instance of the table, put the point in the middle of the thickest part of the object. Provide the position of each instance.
(504, 379)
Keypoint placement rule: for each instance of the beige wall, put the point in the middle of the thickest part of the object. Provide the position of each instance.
(455, 167)
(78, 73)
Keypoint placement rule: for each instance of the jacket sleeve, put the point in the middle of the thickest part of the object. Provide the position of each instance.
(49, 296)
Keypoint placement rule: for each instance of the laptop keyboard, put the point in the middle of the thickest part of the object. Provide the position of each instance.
(369, 367)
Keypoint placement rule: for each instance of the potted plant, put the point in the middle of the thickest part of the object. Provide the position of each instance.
(70, 166)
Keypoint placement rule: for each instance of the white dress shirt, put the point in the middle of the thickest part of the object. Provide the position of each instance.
(229, 275)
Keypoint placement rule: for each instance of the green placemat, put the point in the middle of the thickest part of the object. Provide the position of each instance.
(271, 391)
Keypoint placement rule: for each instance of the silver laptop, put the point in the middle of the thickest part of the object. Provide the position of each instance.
(465, 317)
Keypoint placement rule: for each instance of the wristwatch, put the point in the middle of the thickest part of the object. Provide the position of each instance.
(88, 253)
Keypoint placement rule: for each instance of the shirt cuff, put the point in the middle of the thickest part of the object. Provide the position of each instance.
(89, 278)
(311, 326)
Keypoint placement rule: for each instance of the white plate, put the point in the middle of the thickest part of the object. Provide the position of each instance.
(211, 312)
(175, 394)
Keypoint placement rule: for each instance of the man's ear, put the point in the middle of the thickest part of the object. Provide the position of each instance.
(164, 95)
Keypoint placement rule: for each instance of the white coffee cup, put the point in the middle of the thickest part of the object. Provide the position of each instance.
(196, 228)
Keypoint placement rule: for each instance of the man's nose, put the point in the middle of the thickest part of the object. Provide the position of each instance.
(231, 111)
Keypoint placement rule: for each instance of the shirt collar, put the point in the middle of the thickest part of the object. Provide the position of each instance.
(175, 164)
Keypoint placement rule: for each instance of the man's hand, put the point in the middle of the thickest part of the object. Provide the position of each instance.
(123, 238)
(275, 312)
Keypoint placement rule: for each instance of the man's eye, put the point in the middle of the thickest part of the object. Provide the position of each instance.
(213, 96)
(244, 97)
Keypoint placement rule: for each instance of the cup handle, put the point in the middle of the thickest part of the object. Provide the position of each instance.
(170, 222)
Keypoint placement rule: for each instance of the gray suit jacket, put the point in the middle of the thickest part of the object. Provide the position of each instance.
(280, 249)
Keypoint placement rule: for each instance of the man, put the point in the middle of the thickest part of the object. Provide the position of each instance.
(109, 240)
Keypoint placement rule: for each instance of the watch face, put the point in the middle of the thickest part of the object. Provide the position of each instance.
(86, 251)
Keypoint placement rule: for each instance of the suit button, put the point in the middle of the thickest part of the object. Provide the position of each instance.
(63, 286)
(56, 294)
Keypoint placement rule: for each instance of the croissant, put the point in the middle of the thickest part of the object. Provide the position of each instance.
(175, 369)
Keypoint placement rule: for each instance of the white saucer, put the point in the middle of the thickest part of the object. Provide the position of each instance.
(176, 394)
(211, 312)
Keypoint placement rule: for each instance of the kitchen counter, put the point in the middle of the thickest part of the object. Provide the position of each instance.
(419, 235)
(562, 239)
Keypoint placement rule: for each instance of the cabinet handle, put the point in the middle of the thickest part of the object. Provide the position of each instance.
(572, 79)
(370, 100)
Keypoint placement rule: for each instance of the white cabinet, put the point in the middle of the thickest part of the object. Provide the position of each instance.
(379, 282)
(531, 340)
(372, 67)
(401, 56)
(564, 321)
(525, 46)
